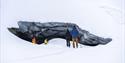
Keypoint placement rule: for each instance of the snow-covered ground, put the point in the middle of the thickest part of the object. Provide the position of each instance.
(101, 17)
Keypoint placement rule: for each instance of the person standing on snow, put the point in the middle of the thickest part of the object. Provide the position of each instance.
(74, 33)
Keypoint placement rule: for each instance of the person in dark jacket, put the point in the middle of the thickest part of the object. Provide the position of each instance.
(74, 33)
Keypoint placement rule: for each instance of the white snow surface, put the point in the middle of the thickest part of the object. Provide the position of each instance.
(104, 18)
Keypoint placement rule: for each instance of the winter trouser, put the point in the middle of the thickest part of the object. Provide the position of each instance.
(75, 42)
